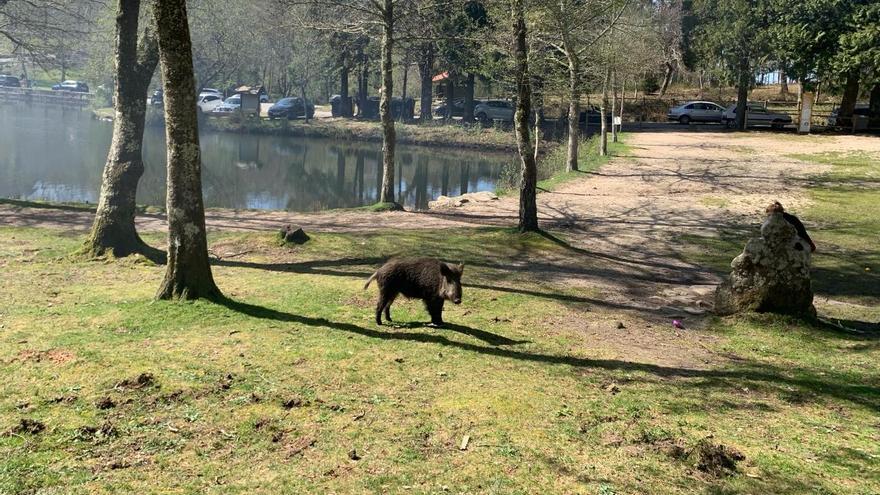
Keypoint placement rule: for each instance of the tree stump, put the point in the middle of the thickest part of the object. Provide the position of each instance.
(771, 275)
(296, 235)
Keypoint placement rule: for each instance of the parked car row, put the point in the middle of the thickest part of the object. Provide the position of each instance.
(70, 85)
(707, 111)
(9, 81)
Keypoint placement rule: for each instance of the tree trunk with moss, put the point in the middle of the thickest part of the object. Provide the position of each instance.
(528, 209)
(188, 272)
(113, 230)
(388, 133)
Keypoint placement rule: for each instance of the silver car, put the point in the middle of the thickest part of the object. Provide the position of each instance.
(757, 115)
(491, 110)
(696, 111)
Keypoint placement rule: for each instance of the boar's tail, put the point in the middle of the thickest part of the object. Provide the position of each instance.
(370, 280)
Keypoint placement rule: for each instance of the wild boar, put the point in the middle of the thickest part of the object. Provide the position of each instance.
(428, 279)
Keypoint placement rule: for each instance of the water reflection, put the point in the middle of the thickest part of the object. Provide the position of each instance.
(58, 155)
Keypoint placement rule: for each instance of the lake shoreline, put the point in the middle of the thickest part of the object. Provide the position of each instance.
(436, 135)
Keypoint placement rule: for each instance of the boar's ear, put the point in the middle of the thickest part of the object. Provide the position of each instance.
(460, 268)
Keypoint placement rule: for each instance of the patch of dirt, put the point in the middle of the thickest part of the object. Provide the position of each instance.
(54, 356)
(299, 445)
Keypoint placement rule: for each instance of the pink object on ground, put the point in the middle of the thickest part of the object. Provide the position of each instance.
(677, 324)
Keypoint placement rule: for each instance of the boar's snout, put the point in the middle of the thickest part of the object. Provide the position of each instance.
(457, 300)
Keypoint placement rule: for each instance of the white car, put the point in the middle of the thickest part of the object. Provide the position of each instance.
(696, 111)
(757, 115)
(206, 91)
(492, 110)
(231, 104)
(208, 102)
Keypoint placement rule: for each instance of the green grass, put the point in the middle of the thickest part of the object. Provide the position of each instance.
(514, 372)
(552, 167)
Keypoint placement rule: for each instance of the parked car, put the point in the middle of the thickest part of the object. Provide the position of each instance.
(206, 91)
(291, 108)
(592, 116)
(208, 102)
(75, 86)
(158, 98)
(9, 81)
(229, 105)
(861, 115)
(757, 115)
(696, 111)
(457, 108)
(491, 110)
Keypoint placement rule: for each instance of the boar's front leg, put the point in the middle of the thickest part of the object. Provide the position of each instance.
(435, 309)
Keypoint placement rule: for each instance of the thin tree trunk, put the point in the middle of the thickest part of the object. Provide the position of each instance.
(574, 115)
(113, 229)
(450, 95)
(188, 272)
(426, 71)
(345, 105)
(538, 110)
(613, 106)
(388, 133)
(302, 94)
(469, 99)
(603, 136)
(622, 100)
(742, 93)
(667, 78)
(528, 208)
(403, 105)
(783, 82)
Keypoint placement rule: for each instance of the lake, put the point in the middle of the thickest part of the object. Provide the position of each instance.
(56, 154)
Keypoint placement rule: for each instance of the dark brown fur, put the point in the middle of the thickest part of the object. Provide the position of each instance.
(428, 279)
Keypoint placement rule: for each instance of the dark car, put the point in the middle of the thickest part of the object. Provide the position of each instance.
(75, 86)
(457, 108)
(400, 108)
(9, 81)
(593, 117)
(291, 108)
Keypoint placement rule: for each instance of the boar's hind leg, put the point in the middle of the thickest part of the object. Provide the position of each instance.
(384, 304)
(435, 309)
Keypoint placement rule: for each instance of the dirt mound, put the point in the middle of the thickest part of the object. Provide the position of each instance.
(136, 383)
(717, 459)
(54, 356)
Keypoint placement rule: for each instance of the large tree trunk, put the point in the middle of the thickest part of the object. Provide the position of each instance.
(603, 134)
(426, 72)
(113, 229)
(874, 107)
(848, 100)
(528, 208)
(388, 134)
(574, 113)
(667, 78)
(188, 273)
(742, 92)
(469, 99)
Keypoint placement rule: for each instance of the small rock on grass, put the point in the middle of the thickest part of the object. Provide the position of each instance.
(105, 403)
(353, 455)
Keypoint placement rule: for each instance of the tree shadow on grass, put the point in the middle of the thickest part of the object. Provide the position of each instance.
(751, 374)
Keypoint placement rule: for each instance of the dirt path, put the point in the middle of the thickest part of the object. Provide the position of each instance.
(616, 223)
